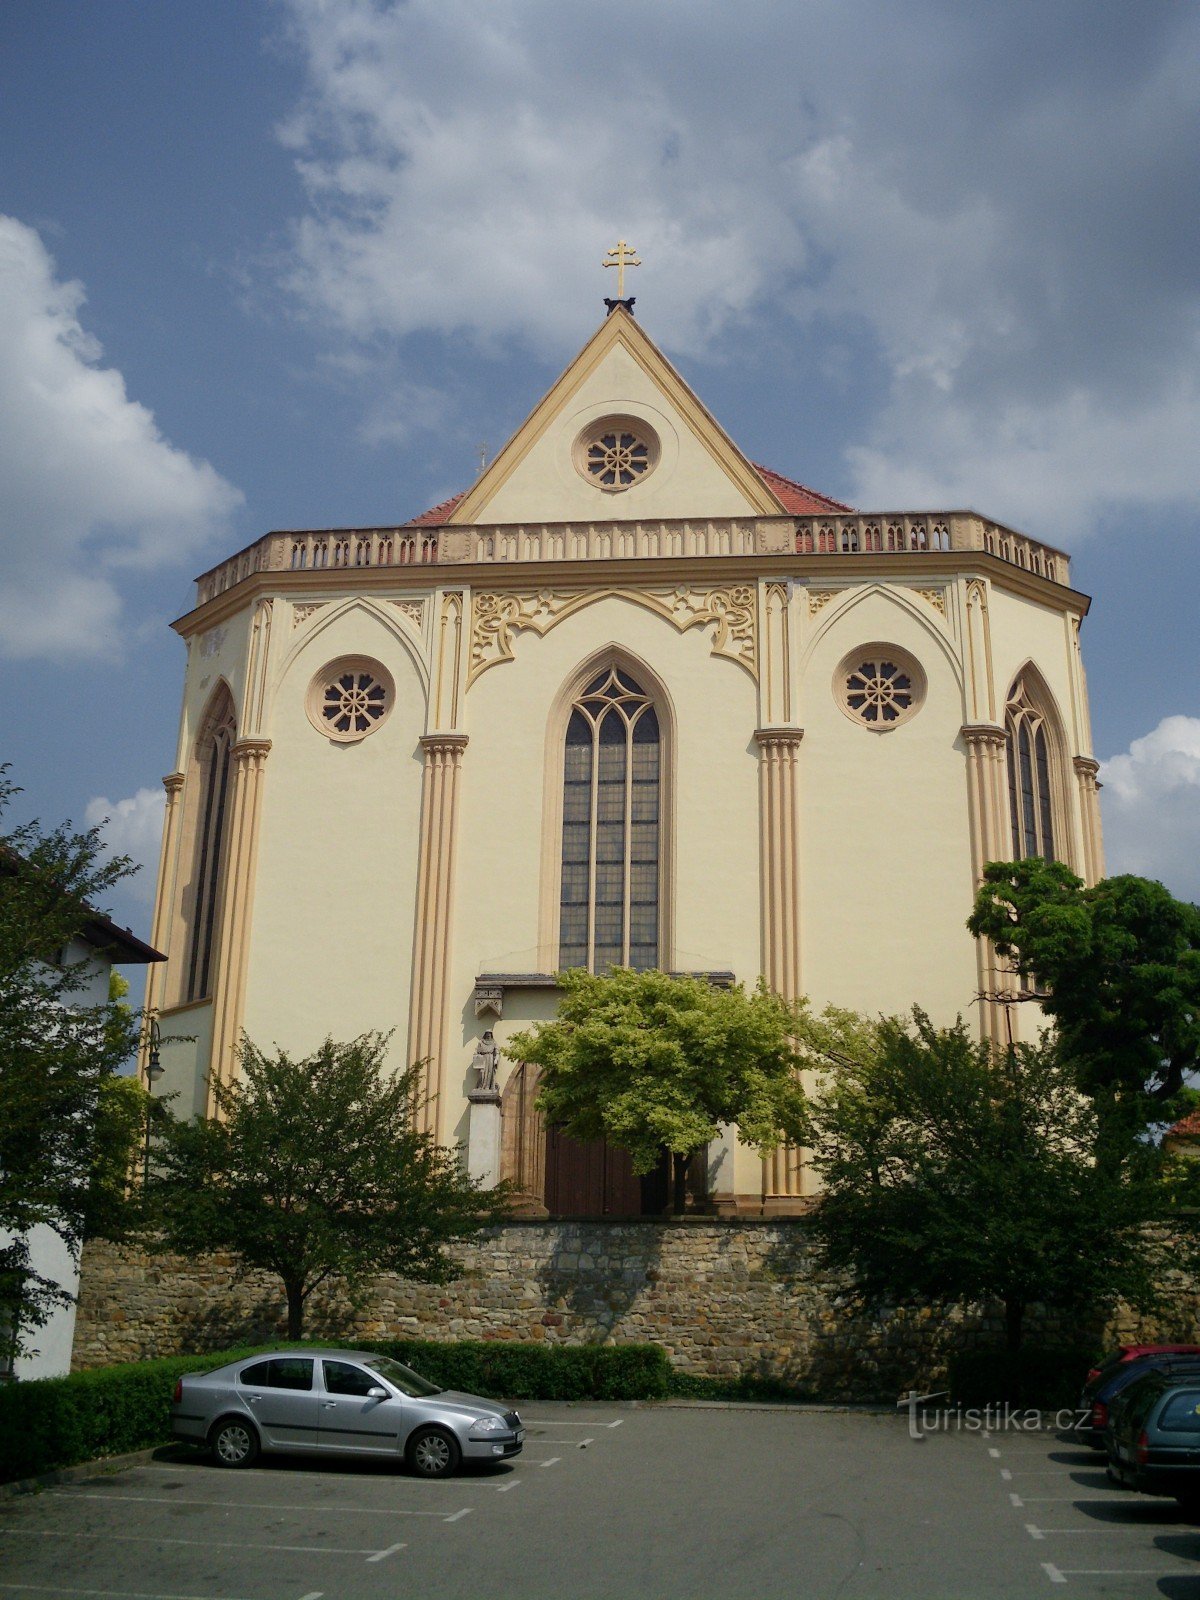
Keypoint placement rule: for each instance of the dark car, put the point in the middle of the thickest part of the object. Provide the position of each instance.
(1132, 1352)
(1099, 1396)
(1153, 1437)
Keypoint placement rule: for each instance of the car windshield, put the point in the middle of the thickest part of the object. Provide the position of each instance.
(403, 1378)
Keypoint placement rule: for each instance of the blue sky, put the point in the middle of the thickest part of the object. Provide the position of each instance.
(287, 263)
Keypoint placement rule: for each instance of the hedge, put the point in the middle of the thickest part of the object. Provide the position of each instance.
(49, 1423)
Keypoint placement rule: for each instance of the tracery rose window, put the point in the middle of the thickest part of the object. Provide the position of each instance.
(350, 698)
(616, 453)
(879, 686)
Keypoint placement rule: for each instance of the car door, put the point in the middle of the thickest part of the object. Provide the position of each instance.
(353, 1420)
(282, 1398)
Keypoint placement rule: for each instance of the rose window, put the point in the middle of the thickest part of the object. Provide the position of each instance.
(616, 460)
(350, 698)
(879, 687)
(614, 453)
(354, 702)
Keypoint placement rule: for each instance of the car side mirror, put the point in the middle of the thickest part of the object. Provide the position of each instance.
(376, 1393)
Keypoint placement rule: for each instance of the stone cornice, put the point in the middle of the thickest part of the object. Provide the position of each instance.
(789, 736)
(932, 565)
(986, 733)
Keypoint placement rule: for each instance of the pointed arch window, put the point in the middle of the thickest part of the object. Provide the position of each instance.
(1030, 774)
(214, 760)
(611, 837)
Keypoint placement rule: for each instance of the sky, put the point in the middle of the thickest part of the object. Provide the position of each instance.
(292, 263)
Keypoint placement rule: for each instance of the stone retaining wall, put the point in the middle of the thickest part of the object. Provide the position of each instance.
(721, 1297)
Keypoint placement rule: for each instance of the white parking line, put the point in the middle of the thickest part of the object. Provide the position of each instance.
(1040, 1533)
(114, 1594)
(317, 1594)
(994, 1453)
(382, 1555)
(214, 1544)
(553, 1462)
(511, 1484)
(458, 1515)
(579, 1444)
(1074, 1499)
(561, 1422)
(1117, 1572)
(243, 1505)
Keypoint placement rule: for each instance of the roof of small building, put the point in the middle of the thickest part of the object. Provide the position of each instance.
(1187, 1127)
(795, 498)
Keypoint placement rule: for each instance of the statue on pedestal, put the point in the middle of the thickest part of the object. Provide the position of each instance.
(486, 1062)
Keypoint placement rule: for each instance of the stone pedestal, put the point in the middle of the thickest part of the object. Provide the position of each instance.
(483, 1137)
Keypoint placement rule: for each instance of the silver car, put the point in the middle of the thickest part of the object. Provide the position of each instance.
(339, 1402)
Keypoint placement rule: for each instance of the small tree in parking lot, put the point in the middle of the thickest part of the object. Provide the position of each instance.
(314, 1170)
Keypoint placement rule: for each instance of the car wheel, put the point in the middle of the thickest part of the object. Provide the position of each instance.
(433, 1453)
(234, 1443)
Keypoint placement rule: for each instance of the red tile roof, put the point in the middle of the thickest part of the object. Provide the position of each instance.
(1187, 1127)
(436, 515)
(794, 497)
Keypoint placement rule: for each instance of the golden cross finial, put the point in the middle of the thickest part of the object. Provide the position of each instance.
(621, 256)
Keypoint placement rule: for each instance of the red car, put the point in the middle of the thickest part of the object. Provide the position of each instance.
(1135, 1352)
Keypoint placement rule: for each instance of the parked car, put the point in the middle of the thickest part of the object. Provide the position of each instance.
(340, 1402)
(1134, 1352)
(1153, 1437)
(1098, 1397)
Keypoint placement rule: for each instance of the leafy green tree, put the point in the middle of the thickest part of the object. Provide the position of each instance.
(1117, 967)
(56, 1050)
(313, 1170)
(651, 1062)
(952, 1176)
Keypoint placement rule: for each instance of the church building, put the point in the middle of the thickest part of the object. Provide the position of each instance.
(631, 699)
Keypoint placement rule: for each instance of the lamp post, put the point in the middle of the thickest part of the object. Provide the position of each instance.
(154, 1071)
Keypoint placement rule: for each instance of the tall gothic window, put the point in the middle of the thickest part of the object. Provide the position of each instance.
(214, 759)
(611, 832)
(1029, 774)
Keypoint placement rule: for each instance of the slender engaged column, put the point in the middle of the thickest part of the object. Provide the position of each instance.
(163, 898)
(779, 892)
(1089, 809)
(237, 902)
(435, 893)
(989, 842)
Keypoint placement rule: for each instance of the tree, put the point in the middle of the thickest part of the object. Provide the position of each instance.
(1117, 967)
(313, 1170)
(651, 1062)
(56, 1052)
(954, 1176)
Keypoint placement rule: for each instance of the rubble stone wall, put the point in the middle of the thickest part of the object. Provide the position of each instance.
(721, 1297)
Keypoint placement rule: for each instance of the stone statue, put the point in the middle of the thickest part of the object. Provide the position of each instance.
(486, 1061)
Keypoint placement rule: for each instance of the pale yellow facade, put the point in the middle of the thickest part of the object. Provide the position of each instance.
(407, 877)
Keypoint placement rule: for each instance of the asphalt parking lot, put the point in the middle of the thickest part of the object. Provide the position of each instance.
(619, 1501)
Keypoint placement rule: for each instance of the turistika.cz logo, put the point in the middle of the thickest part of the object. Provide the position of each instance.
(923, 1418)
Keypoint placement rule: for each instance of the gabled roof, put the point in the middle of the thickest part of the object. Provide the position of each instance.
(796, 498)
(1186, 1128)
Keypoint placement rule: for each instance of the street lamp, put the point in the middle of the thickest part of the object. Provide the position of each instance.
(154, 1071)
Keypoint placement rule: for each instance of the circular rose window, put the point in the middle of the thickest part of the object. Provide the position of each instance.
(616, 453)
(349, 698)
(879, 686)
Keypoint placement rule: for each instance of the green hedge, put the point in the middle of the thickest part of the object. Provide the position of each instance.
(59, 1422)
(1046, 1377)
(511, 1371)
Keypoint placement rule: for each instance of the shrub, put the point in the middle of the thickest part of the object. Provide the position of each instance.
(1047, 1377)
(512, 1371)
(60, 1422)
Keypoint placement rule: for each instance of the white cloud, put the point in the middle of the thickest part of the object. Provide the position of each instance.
(994, 206)
(1151, 807)
(89, 485)
(132, 827)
